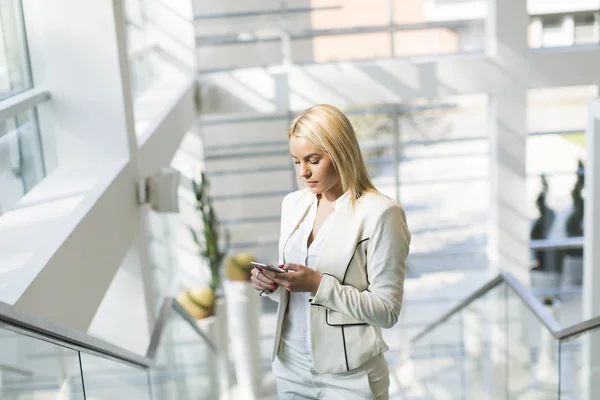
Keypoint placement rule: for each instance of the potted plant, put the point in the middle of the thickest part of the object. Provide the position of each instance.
(545, 267)
(238, 267)
(573, 259)
(200, 303)
(243, 312)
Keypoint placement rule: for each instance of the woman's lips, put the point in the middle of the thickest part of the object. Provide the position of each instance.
(311, 184)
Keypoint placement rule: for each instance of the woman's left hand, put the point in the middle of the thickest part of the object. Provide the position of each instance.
(298, 278)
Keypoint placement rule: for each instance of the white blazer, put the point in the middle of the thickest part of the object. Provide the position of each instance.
(362, 263)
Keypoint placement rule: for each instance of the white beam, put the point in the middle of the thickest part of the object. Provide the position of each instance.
(22, 102)
(591, 254)
(508, 237)
(161, 139)
(399, 80)
(66, 240)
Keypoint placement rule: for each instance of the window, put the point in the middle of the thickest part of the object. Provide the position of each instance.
(14, 63)
(554, 32)
(21, 161)
(586, 29)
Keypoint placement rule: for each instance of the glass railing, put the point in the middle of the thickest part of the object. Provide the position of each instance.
(38, 361)
(502, 342)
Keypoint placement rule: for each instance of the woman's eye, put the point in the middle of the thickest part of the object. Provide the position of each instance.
(297, 162)
(315, 162)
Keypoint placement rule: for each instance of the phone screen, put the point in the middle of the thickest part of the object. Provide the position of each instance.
(267, 266)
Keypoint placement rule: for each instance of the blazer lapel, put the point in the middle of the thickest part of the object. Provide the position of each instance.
(340, 243)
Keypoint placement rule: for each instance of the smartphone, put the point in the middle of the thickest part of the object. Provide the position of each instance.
(267, 266)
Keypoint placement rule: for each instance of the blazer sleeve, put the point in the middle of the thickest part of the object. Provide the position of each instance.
(387, 251)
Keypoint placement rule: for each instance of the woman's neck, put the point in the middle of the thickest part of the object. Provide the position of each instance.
(331, 195)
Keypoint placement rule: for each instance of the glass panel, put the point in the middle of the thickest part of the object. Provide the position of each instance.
(340, 30)
(350, 13)
(33, 369)
(350, 47)
(184, 366)
(14, 62)
(108, 379)
(375, 132)
(580, 367)
(555, 31)
(140, 56)
(21, 159)
(444, 182)
(533, 352)
(466, 355)
(586, 29)
(439, 361)
(160, 43)
(161, 244)
(554, 25)
(464, 18)
(485, 340)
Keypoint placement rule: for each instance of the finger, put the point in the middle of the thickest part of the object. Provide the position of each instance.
(281, 278)
(292, 267)
(260, 276)
(261, 285)
(269, 274)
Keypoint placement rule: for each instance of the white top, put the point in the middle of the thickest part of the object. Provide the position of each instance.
(297, 322)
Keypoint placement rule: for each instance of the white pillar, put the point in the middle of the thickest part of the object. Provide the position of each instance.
(508, 236)
(569, 30)
(536, 32)
(243, 310)
(591, 255)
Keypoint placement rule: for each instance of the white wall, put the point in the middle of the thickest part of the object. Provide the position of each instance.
(78, 254)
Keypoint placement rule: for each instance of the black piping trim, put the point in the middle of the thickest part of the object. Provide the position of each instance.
(342, 325)
(325, 273)
(345, 353)
(350, 262)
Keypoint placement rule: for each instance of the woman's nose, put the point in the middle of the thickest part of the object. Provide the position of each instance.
(304, 172)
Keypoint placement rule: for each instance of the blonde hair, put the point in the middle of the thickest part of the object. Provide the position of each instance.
(330, 131)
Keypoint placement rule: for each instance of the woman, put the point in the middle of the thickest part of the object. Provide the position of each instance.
(344, 247)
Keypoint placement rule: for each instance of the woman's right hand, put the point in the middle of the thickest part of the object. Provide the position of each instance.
(260, 280)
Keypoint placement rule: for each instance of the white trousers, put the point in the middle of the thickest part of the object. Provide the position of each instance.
(296, 379)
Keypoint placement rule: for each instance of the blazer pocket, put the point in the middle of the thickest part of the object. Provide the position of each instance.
(334, 318)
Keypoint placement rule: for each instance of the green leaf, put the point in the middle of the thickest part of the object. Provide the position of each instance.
(196, 189)
(194, 236)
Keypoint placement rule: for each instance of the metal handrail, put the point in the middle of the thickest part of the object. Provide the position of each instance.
(553, 326)
(557, 244)
(17, 321)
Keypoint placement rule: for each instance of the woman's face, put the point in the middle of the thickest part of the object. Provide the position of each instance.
(314, 166)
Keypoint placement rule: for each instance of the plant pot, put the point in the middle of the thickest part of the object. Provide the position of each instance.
(572, 271)
(238, 267)
(218, 362)
(243, 309)
(199, 303)
(545, 280)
